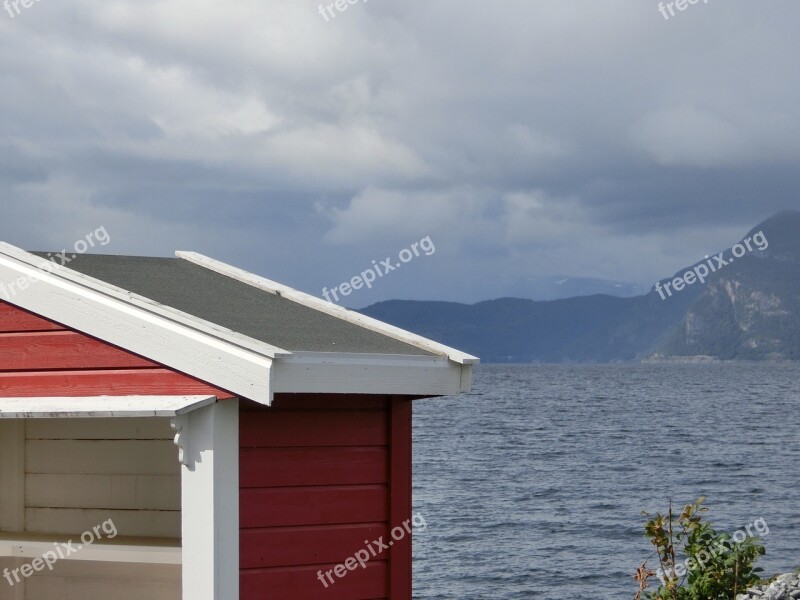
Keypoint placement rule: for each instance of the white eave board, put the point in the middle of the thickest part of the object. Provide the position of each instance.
(101, 406)
(341, 373)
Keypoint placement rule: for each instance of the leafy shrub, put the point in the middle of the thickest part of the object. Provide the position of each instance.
(715, 567)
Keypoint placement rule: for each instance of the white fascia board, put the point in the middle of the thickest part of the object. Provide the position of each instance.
(101, 407)
(164, 335)
(342, 373)
(328, 308)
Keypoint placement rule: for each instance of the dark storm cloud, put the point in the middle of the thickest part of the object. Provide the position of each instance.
(528, 139)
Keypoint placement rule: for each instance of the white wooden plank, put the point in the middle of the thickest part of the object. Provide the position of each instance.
(131, 523)
(131, 428)
(98, 588)
(101, 406)
(8, 592)
(12, 475)
(157, 551)
(75, 580)
(210, 506)
(116, 570)
(102, 457)
(128, 492)
(159, 333)
(328, 307)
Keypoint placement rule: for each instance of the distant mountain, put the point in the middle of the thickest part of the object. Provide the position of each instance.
(748, 309)
(751, 309)
(558, 287)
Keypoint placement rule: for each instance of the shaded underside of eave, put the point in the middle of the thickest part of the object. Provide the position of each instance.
(237, 306)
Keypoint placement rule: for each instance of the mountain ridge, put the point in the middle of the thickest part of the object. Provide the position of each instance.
(748, 310)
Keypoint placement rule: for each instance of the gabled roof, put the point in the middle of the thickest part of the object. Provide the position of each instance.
(231, 328)
(243, 308)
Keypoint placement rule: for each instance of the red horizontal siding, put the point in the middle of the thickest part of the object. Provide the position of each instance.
(16, 319)
(293, 546)
(280, 467)
(302, 583)
(118, 382)
(314, 477)
(276, 507)
(41, 358)
(286, 403)
(46, 350)
(317, 428)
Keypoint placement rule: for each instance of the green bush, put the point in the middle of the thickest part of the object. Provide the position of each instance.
(714, 567)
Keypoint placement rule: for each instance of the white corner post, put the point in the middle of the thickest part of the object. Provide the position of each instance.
(208, 439)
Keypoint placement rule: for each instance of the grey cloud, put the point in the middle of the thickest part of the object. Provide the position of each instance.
(530, 138)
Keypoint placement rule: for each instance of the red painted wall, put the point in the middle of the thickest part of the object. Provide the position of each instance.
(320, 475)
(42, 358)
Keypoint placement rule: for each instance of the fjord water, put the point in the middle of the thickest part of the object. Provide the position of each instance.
(532, 485)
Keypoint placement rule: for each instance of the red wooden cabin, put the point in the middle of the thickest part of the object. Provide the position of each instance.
(291, 416)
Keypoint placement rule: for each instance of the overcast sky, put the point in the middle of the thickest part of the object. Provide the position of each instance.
(527, 138)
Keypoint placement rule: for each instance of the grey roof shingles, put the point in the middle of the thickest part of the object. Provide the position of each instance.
(242, 308)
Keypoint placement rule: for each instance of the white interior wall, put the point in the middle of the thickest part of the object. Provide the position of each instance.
(81, 472)
(62, 477)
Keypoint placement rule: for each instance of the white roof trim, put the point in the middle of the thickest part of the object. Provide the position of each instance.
(343, 373)
(101, 407)
(354, 358)
(64, 272)
(230, 361)
(221, 357)
(328, 307)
